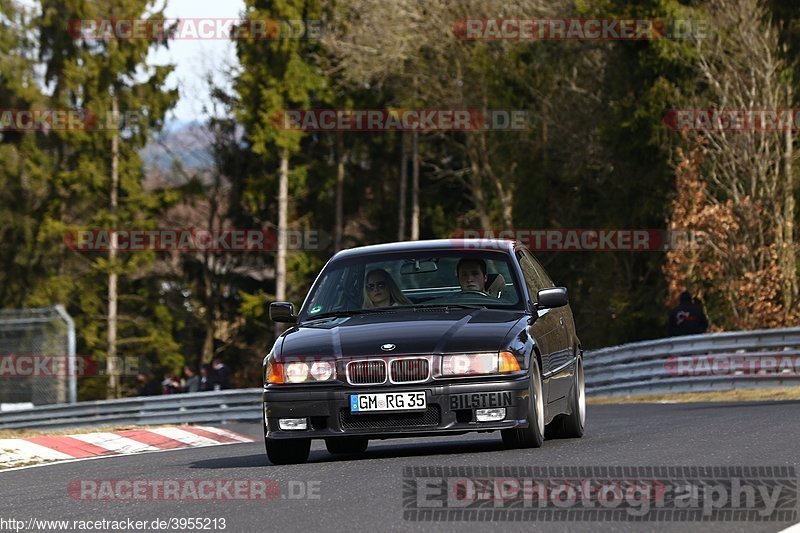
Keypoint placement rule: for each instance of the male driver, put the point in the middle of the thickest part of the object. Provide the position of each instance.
(472, 274)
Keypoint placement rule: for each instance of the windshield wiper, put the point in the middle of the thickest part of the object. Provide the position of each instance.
(351, 312)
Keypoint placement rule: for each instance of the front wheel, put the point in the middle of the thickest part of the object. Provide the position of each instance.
(287, 451)
(533, 435)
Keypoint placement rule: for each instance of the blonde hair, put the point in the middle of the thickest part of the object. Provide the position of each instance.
(396, 296)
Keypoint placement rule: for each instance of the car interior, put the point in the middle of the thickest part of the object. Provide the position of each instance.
(421, 280)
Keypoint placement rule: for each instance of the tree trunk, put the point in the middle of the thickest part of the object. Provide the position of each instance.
(283, 210)
(207, 354)
(504, 194)
(340, 167)
(401, 216)
(476, 184)
(415, 186)
(208, 341)
(545, 140)
(787, 251)
(111, 361)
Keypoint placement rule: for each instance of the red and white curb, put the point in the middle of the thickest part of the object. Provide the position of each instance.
(48, 448)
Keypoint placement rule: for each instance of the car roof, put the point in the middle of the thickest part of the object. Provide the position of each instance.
(503, 245)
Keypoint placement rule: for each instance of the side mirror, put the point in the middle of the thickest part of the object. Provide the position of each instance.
(282, 312)
(553, 297)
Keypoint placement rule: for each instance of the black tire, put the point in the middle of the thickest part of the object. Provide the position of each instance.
(510, 438)
(287, 451)
(533, 435)
(346, 445)
(571, 426)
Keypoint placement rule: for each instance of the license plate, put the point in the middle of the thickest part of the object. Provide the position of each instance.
(387, 401)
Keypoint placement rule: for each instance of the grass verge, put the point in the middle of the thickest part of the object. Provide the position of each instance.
(737, 395)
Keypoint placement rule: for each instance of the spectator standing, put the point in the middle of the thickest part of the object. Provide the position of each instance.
(222, 376)
(192, 383)
(687, 318)
(170, 385)
(147, 386)
(206, 383)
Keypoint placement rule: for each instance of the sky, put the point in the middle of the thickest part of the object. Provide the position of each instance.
(194, 58)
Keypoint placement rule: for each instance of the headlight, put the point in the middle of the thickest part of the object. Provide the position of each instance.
(478, 364)
(322, 370)
(300, 371)
(295, 372)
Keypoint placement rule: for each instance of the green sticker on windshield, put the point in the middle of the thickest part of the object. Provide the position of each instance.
(315, 309)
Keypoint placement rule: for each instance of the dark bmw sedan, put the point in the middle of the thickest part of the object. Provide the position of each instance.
(424, 338)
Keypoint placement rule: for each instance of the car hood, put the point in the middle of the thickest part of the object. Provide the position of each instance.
(421, 331)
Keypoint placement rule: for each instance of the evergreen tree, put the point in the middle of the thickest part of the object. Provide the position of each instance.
(97, 176)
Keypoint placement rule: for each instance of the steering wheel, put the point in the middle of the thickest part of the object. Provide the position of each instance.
(471, 293)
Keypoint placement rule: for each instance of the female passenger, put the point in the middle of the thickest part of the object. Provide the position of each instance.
(380, 290)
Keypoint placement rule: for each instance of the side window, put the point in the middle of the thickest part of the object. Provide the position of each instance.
(530, 274)
(540, 272)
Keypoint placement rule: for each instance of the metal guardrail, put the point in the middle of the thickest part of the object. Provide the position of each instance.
(694, 363)
(199, 407)
(675, 364)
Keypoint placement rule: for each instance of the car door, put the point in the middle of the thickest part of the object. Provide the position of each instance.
(545, 328)
(560, 339)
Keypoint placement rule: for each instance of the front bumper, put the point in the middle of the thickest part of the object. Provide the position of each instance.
(328, 410)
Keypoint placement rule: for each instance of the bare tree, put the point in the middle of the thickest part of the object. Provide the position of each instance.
(341, 161)
(113, 278)
(283, 216)
(412, 47)
(401, 217)
(746, 205)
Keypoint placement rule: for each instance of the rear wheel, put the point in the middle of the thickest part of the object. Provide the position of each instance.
(287, 451)
(346, 445)
(571, 425)
(533, 435)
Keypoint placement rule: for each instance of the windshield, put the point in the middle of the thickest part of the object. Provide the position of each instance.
(414, 280)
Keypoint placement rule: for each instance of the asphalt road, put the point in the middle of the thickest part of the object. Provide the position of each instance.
(365, 493)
